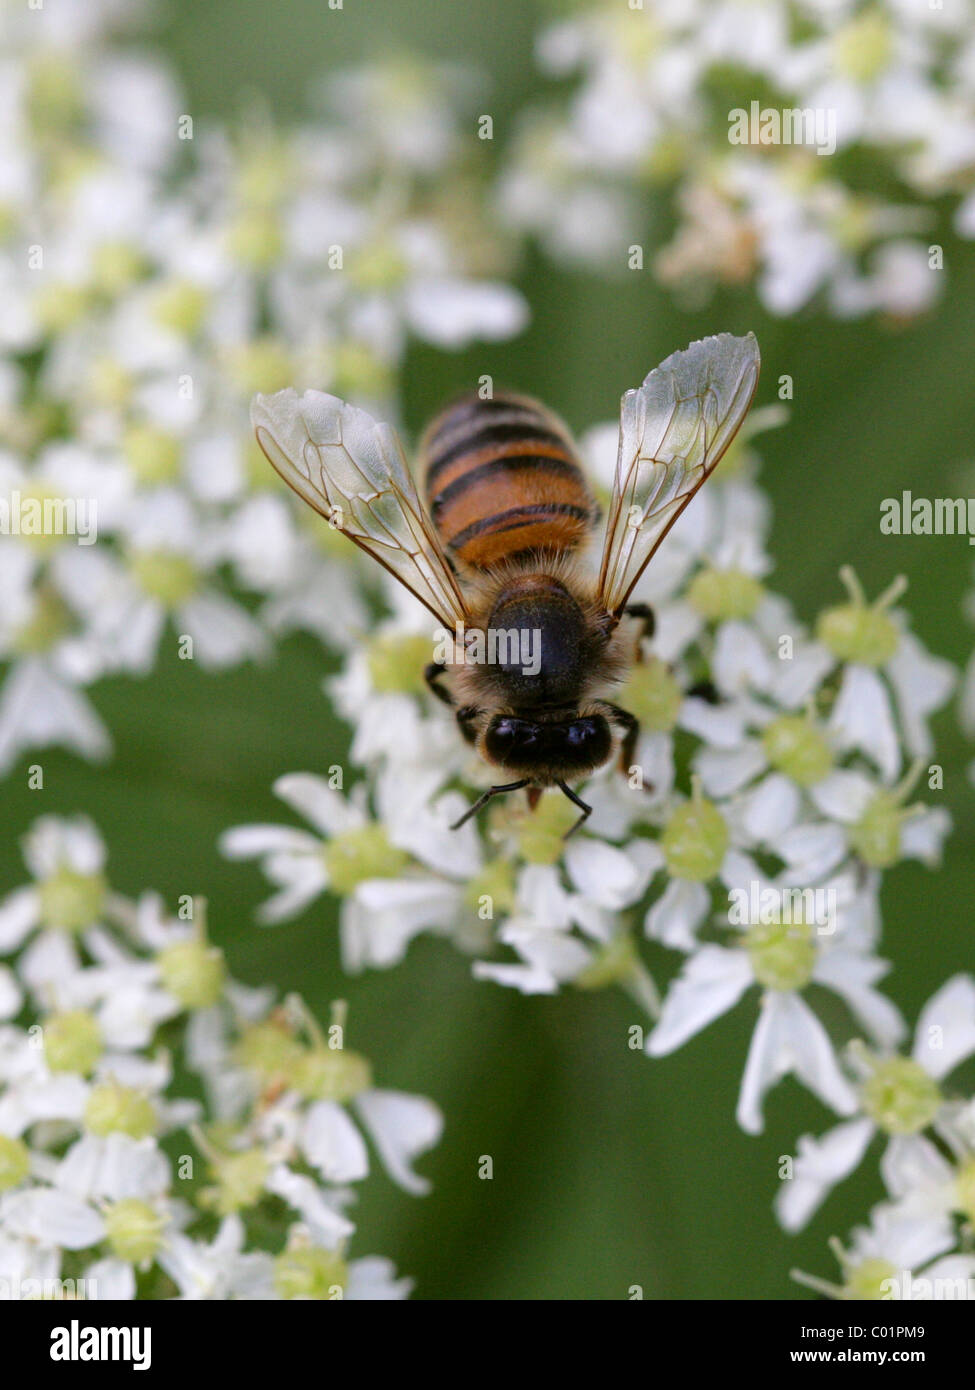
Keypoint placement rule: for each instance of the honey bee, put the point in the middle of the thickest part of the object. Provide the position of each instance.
(497, 550)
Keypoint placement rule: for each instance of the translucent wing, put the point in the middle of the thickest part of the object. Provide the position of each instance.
(673, 431)
(351, 469)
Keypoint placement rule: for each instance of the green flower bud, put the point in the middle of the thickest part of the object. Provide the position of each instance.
(72, 1041)
(876, 836)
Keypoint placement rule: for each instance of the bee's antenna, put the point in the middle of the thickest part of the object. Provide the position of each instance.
(577, 801)
(485, 797)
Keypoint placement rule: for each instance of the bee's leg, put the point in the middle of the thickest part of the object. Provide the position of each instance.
(648, 623)
(577, 801)
(432, 675)
(485, 797)
(630, 725)
(465, 720)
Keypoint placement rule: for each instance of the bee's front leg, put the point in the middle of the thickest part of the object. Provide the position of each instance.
(630, 726)
(433, 674)
(648, 624)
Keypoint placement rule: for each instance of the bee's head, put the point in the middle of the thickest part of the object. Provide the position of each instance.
(575, 746)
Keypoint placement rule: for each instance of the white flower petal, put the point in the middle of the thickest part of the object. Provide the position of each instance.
(945, 1032)
(819, 1165)
(402, 1127)
(789, 1038)
(711, 982)
(332, 1144)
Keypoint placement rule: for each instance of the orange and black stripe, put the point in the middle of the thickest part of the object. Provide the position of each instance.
(502, 481)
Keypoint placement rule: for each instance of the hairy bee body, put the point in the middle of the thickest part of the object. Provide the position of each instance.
(495, 554)
(512, 508)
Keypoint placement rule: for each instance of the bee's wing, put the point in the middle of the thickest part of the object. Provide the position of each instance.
(351, 469)
(673, 431)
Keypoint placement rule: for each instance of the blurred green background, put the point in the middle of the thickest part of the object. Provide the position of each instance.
(609, 1170)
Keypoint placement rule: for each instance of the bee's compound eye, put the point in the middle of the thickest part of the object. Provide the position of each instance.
(509, 738)
(588, 741)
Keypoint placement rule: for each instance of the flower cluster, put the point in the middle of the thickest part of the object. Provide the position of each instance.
(801, 145)
(159, 272)
(771, 787)
(112, 1182)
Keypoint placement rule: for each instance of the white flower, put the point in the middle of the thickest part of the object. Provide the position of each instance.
(899, 1097)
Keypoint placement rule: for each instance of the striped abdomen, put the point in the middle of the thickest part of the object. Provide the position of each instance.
(502, 480)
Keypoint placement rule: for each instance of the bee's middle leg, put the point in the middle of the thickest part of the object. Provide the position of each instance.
(630, 726)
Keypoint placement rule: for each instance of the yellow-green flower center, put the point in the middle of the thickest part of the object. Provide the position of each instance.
(876, 836)
(357, 855)
(868, 1280)
(900, 1096)
(168, 576)
(14, 1162)
(495, 881)
(720, 595)
(695, 840)
(853, 632)
(653, 695)
(262, 365)
(71, 901)
(256, 239)
(397, 662)
(133, 1229)
(324, 1073)
(541, 833)
(269, 1049)
(72, 1041)
(863, 48)
(152, 454)
(783, 954)
(180, 307)
(310, 1272)
(965, 1188)
(115, 266)
(48, 623)
(115, 1109)
(796, 747)
(613, 963)
(192, 971)
(240, 1180)
(379, 265)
